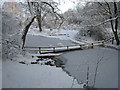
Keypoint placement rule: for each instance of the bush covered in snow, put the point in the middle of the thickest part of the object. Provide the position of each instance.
(10, 34)
(98, 33)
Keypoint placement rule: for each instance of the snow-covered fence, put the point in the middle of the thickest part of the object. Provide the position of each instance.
(110, 40)
(55, 49)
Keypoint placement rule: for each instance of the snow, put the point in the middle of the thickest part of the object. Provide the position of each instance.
(49, 54)
(78, 61)
(62, 34)
(52, 38)
(37, 40)
(109, 44)
(16, 75)
(10, 37)
(78, 42)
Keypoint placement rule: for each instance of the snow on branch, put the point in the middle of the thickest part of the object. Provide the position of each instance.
(53, 10)
(104, 22)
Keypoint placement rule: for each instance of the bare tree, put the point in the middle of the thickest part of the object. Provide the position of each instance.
(25, 32)
(112, 10)
(36, 9)
(102, 14)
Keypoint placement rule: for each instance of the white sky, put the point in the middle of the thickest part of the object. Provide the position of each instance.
(66, 4)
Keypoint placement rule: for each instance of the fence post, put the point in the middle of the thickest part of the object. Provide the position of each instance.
(112, 40)
(40, 50)
(92, 45)
(67, 47)
(53, 49)
(103, 43)
(80, 46)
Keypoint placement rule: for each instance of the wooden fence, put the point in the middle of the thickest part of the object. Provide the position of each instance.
(55, 49)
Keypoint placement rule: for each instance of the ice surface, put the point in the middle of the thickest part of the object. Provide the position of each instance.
(78, 61)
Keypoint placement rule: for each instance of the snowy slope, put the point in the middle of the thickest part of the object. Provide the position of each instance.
(16, 75)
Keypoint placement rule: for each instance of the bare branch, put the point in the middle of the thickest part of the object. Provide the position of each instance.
(56, 14)
(43, 17)
(104, 8)
(50, 6)
(25, 32)
(108, 7)
(104, 22)
(96, 70)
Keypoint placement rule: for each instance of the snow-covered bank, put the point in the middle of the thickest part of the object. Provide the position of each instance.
(10, 35)
(16, 75)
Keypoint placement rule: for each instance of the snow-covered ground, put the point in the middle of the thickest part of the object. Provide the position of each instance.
(16, 75)
(42, 76)
(54, 33)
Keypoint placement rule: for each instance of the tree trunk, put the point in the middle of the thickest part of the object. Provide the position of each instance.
(25, 32)
(115, 31)
(112, 25)
(39, 19)
(116, 38)
(116, 24)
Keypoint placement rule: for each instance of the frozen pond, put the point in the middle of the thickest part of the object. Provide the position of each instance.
(33, 40)
(107, 75)
(78, 61)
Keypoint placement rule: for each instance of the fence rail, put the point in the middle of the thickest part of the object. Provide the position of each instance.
(55, 49)
(50, 49)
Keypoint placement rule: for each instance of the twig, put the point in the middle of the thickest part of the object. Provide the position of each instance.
(96, 70)
(73, 82)
(87, 76)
